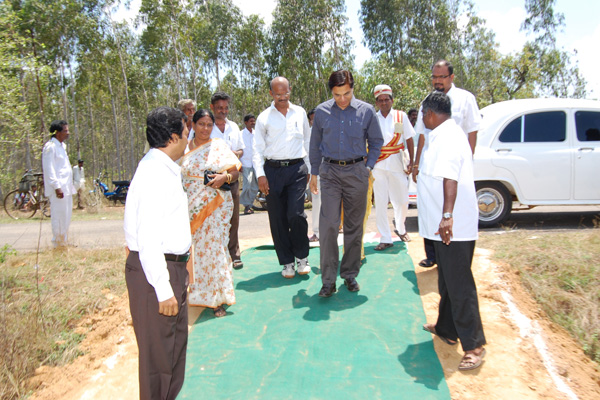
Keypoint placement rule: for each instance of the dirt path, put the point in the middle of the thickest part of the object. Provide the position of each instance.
(540, 362)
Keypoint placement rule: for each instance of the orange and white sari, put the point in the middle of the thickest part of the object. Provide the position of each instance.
(211, 281)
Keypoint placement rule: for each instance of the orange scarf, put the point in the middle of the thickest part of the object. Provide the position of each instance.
(393, 147)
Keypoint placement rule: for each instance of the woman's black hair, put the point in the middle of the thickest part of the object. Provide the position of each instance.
(201, 113)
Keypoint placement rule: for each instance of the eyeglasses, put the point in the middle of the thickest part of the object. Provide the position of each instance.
(281, 96)
(434, 77)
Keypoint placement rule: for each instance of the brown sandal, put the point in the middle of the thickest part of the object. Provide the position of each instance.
(471, 361)
(383, 246)
(220, 312)
(431, 329)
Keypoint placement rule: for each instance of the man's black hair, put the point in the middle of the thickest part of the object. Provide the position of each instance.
(412, 110)
(57, 125)
(445, 64)
(438, 102)
(311, 112)
(248, 117)
(219, 96)
(340, 78)
(161, 123)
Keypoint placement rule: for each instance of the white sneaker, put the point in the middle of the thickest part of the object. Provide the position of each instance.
(303, 267)
(288, 271)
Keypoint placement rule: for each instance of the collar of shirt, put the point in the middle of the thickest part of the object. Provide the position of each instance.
(165, 159)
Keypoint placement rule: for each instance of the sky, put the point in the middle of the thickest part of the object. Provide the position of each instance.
(581, 33)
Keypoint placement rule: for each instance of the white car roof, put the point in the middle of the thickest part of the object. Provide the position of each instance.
(497, 114)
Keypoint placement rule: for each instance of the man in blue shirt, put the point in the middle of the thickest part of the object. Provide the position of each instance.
(341, 129)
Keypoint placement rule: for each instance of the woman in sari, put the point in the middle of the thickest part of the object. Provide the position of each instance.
(210, 208)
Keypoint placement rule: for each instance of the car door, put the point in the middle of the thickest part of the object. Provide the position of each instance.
(587, 156)
(533, 147)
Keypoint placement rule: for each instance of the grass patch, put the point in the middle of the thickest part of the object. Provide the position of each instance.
(41, 307)
(104, 211)
(562, 272)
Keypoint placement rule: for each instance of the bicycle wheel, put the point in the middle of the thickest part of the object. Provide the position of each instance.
(17, 207)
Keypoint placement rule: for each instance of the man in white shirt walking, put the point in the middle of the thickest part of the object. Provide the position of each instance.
(390, 172)
(58, 181)
(79, 181)
(448, 216)
(157, 232)
(466, 115)
(230, 133)
(281, 142)
(250, 184)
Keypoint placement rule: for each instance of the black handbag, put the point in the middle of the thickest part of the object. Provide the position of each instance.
(207, 179)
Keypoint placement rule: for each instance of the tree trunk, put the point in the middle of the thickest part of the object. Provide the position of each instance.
(114, 112)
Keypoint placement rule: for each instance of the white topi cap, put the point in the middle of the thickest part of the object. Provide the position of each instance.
(382, 89)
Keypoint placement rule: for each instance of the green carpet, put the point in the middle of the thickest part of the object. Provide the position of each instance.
(282, 341)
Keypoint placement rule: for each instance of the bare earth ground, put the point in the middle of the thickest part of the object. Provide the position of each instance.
(539, 361)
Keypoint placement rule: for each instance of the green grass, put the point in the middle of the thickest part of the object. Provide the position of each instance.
(41, 309)
(562, 272)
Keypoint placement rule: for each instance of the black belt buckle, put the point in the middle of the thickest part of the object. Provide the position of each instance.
(284, 163)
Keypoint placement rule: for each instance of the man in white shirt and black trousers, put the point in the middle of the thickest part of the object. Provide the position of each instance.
(448, 216)
(281, 140)
(157, 232)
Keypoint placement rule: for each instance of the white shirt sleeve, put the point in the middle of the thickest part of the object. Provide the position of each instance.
(306, 131)
(258, 159)
(48, 167)
(472, 116)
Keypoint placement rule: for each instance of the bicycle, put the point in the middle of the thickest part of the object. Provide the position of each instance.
(29, 197)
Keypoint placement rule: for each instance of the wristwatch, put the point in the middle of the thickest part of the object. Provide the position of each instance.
(369, 168)
(447, 215)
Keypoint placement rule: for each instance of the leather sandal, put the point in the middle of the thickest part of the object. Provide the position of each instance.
(383, 246)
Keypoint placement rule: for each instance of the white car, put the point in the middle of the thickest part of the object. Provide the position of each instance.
(537, 152)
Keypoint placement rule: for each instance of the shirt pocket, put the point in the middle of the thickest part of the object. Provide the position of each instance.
(294, 129)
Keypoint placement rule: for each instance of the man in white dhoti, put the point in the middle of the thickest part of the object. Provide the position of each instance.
(58, 181)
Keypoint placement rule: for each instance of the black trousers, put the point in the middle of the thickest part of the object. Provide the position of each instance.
(429, 250)
(285, 206)
(459, 316)
(162, 340)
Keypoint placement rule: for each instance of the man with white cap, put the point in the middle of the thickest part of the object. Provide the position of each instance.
(393, 167)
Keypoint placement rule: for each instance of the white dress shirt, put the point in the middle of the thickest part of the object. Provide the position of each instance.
(156, 218)
(394, 162)
(232, 135)
(464, 111)
(280, 137)
(448, 156)
(57, 168)
(78, 177)
(248, 138)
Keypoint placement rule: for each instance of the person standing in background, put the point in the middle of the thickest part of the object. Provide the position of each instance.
(249, 182)
(79, 181)
(58, 181)
(230, 133)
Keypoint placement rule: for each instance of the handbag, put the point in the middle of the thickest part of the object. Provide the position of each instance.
(207, 179)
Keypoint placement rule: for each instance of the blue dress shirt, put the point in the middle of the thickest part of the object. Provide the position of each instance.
(343, 134)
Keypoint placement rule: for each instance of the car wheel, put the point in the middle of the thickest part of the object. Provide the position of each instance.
(494, 203)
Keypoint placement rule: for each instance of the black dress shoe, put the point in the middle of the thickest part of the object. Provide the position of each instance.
(328, 290)
(352, 285)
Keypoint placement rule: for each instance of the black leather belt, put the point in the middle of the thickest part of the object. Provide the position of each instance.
(283, 163)
(177, 257)
(343, 162)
